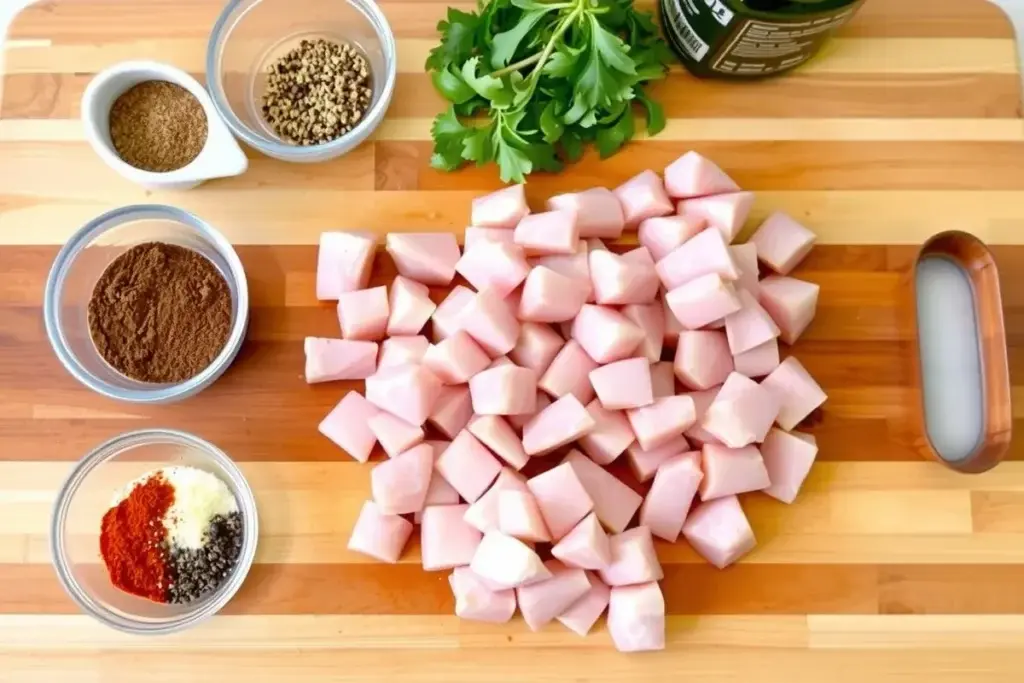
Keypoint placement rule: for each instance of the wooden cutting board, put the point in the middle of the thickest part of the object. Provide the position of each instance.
(888, 567)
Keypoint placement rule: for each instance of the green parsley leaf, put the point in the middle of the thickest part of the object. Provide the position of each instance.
(451, 86)
(504, 44)
(486, 86)
(458, 37)
(655, 114)
(550, 125)
(611, 138)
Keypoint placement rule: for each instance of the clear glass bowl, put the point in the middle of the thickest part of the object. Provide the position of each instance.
(83, 259)
(250, 35)
(86, 496)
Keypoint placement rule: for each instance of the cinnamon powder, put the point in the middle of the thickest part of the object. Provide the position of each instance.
(160, 313)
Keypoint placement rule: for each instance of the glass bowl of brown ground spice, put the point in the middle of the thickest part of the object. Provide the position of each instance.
(146, 304)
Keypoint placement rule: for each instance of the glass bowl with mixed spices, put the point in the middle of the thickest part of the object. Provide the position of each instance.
(154, 531)
(146, 304)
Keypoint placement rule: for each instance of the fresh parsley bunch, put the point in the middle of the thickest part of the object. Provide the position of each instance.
(532, 81)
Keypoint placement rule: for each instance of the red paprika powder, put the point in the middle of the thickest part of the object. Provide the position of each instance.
(132, 540)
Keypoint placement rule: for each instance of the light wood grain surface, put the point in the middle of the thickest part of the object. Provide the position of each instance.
(888, 568)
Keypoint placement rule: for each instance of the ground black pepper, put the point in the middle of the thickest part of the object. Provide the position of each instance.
(200, 571)
(158, 126)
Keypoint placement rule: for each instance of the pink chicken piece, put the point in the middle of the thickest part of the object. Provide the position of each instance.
(495, 266)
(487, 318)
(790, 302)
(694, 175)
(797, 392)
(550, 297)
(406, 391)
(703, 301)
(519, 517)
(483, 513)
(446, 541)
(456, 358)
(569, 373)
(662, 421)
(729, 471)
(636, 617)
(725, 212)
(426, 257)
(537, 346)
(643, 196)
(519, 421)
(742, 413)
(745, 258)
(650, 318)
(542, 601)
(504, 390)
(609, 438)
(468, 466)
(605, 334)
(575, 266)
(562, 498)
(633, 559)
(667, 503)
(563, 421)
(662, 235)
(585, 546)
(506, 562)
(447, 315)
(348, 425)
(623, 279)
(475, 235)
(344, 263)
(623, 384)
(782, 243)
(614, 502)
(719, 531)
(758, 361)
(363, 314)
(598, 212)
(379, 535)
(584, 613)
(645, 463)
(702, 358)
(394, 434)
(402, 350)
(788, 458)
(452, 410)
(400, 484)
(663, 379)
(672, 325)
(550, 232)
(440, 492)
(475, 601)
(749, 327)
(703, 401)
(329, 360)
(705, 254)
(497, 434)
(410, 307)
(501, 209)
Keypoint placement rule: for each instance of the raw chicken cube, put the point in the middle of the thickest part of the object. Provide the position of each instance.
(495, 266)
(563, 421)
(623, 279)
(662, 235)
(703, 401)
(645, 463)
(633, 559)
(672, 325)
(499, 361)
(584, 613)
(745, 258)
(519, 421)
(719, 531)
(379, 535)
(427, 257)
(750, 326)
(508, 562)
(569, 373)
(550, 297)
(490, 322)
(782, 243)
(410, 306)
(729, 471)
(550, 232)
(669, 499)
(703, 301)
(742, 413)
(585, 546)
(402, 350)
(614, 502)
(643, 196)
(475, 601)
(702, 358)
(504, 390)
(598, 212)
(705, 254)
(650, 318)
(519, 516)
(609, 438)
(790, 302)
(400, 484)
(788, 458)
(623, 384)
(328, 360)
(475, 235)
(348, 425)
(663, 379)
(344, 262)
(363, 314)
(797, 392)
(758, 361)
(537, 346)
(501, 209)
(495, 433)
(542, 601)
(446, 541)
(440, 492)
(575, 266)
(395, 434)
(483, 514)
(605, 334)
(468, 466)
(406, 391)
(456, 359)
(694, 175)
(725, 212)
(636, 618)
(447, 316)
(662, 421)
(562, 498)
(452, 410)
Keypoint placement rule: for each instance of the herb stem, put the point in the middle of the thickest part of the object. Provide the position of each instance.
(549, 48)
(532, 59)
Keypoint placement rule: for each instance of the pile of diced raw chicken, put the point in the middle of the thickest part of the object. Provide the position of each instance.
(551, 360)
